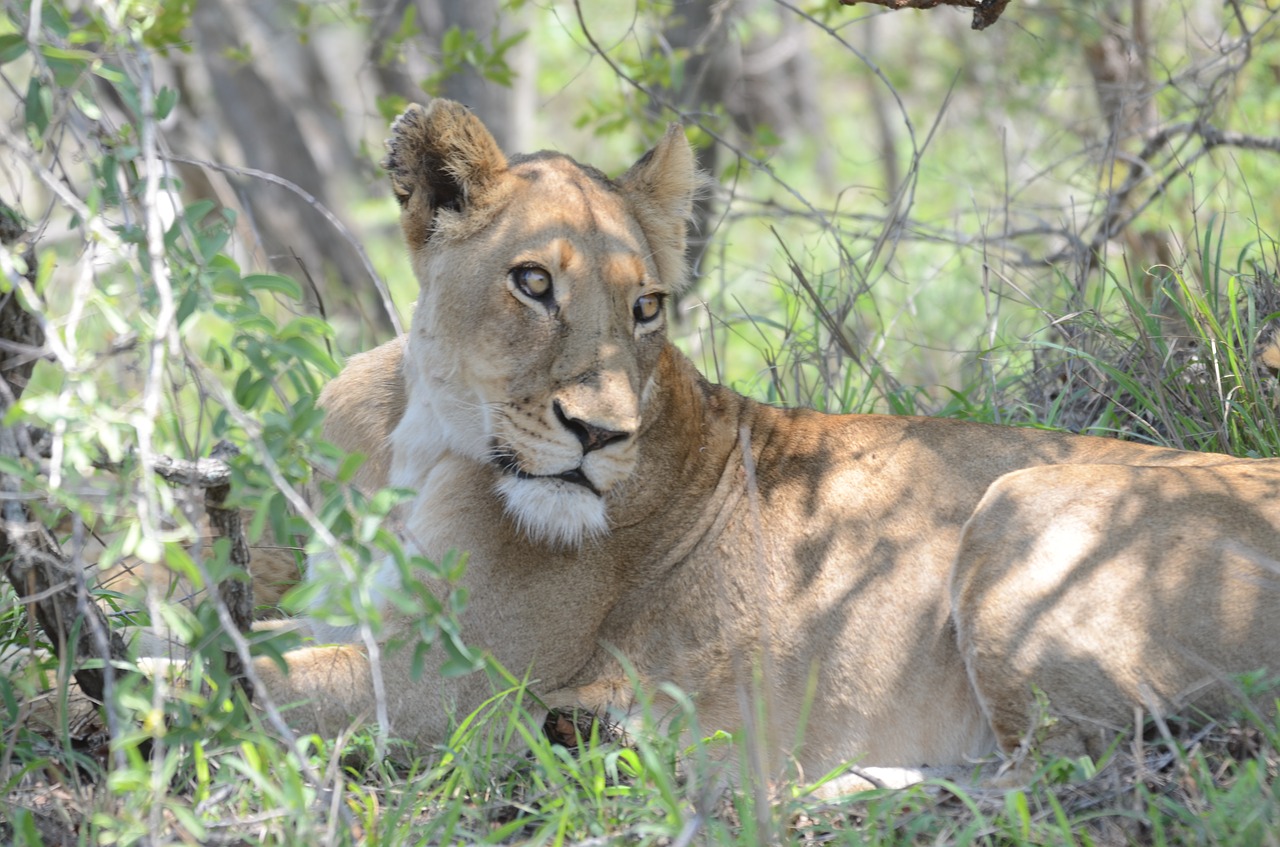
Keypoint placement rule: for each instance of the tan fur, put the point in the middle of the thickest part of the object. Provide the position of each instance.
(826, 556)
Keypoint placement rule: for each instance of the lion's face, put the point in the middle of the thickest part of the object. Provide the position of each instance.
(541, 315)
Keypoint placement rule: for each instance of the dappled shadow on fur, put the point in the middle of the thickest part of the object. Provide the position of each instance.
(1075, 578)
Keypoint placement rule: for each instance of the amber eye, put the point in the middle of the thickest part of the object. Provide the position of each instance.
(532, 281)
(647, 307)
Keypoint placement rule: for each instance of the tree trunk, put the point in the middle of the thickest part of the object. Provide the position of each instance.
(51, 587)
(274, 124)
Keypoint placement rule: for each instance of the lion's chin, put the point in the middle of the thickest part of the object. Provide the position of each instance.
(553, 511)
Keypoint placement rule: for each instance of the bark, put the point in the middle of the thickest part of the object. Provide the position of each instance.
(1117, 63)
(270, 121)
(768, 80)
(711, 72)
(237, 594)
(506, 111)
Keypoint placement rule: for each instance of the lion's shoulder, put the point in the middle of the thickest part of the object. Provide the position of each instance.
(363, 405)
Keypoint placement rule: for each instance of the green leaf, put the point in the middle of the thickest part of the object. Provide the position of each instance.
(387, 499)
(178, 560)
(112, 74)
(305, 351)
(67, 65)
(306, 326)
(274, 282)
(391, 105)
(24, 825)
(12, 46)
(350, 464)
(39, 104)
(165, 101)
(304, 421)
(249, 391)
(168, 28)
(44, 270)
(54, 17)
(187, 305)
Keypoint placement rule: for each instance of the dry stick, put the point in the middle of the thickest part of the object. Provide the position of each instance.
(214, 476)
(300, 505)
(834, 325)
(197, 473)
(985, 12)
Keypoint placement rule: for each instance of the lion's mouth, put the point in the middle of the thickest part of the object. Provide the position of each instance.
(508, 464)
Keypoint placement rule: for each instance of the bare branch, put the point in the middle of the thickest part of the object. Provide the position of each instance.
(198, 473)
(1143, 166)
(985, 12)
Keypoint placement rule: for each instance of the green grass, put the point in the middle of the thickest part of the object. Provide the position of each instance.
(829, 314)
(227, 780)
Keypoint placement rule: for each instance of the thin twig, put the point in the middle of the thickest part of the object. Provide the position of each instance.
(1121, 214)
(824, 314)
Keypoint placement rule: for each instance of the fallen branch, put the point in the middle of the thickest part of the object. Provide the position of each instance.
(195, 473)
(985, 12)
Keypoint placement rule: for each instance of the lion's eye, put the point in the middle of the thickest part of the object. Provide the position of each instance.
(647, 307)
(532, 281)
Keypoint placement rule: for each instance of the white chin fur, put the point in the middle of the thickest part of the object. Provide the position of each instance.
(553, 510)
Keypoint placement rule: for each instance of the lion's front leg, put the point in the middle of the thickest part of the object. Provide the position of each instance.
(331, 689)
(322, 689)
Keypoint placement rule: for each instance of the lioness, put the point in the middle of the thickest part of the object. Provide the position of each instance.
(910, 590)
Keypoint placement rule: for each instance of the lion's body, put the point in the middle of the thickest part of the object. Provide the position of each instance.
(618, 508)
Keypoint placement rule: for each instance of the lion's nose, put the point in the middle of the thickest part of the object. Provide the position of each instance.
(591, 437)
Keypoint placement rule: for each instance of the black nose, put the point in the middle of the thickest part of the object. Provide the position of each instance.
(591, 437)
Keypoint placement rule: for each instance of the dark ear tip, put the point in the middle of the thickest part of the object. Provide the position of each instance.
(442, 152)
(406, 123)
(392, 165)
(408, 120)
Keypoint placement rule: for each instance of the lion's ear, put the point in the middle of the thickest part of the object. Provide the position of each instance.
(439, 157)
(661, 187)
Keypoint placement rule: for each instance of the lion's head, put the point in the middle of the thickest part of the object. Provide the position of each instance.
(541, 315)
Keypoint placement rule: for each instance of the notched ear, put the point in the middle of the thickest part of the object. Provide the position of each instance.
(662, 186)
(439, 157)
